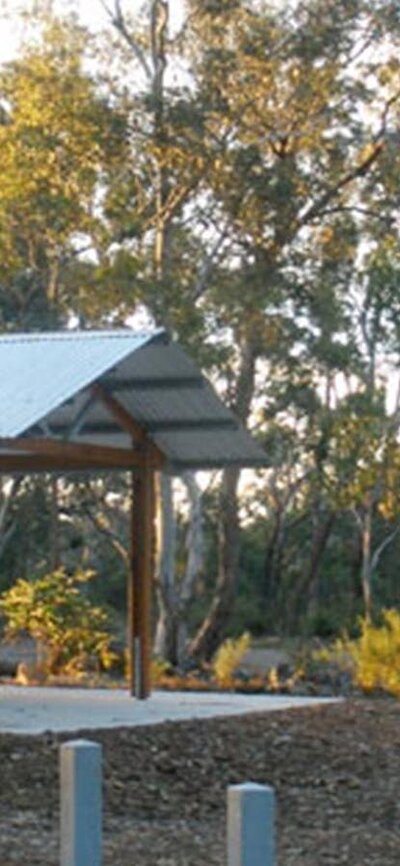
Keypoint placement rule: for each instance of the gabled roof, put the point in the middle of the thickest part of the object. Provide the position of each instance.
(65, 386)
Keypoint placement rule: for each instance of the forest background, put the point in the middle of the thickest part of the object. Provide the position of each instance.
(233, 175)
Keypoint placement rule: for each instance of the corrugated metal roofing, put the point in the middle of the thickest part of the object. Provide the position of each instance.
(38, 372)
(45, 386)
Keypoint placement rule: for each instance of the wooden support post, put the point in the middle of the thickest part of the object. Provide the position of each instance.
(141, 578)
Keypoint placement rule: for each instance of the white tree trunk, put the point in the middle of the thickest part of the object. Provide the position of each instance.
(174, 596)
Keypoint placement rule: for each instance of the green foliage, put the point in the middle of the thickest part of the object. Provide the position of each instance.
(25, 553)
(70, 632)
(57, 136)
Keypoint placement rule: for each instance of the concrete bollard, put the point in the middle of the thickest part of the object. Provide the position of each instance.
(251, 825)
(80, 804)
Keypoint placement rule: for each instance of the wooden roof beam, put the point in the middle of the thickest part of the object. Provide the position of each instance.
(74, 454)
(17, 464)
(127, 423)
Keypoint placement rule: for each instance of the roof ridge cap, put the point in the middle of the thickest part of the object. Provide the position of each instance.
(36, 336)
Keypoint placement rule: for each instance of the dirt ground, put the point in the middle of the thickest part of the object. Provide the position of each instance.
(336, 771)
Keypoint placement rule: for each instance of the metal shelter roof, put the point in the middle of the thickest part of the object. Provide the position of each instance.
(74, 387)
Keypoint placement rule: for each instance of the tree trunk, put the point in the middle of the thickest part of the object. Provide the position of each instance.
(54, 530)
(170, 638)
(173, 598)
(272, 559)
(321, 534)
(208, 636)
(7, 524)
(165, 639)
(195, 558)
(366, 535)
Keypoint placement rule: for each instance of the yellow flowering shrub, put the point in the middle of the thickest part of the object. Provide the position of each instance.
(71, 633)
(228, 657)
(375, 655)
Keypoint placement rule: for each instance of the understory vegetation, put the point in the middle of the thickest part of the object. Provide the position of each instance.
(373, 658)
(73, 639)
(69, 631)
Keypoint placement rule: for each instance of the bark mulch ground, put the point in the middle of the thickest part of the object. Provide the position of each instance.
(336, 771)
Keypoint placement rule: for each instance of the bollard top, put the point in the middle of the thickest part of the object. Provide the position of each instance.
(250, 788)
(80, 744)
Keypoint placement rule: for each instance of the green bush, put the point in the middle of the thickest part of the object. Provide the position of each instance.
(70, 632)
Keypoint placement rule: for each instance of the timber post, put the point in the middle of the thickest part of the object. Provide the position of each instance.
(140, 579)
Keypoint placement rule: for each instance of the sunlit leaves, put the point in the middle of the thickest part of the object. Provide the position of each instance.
(55, 611)
(56, 138)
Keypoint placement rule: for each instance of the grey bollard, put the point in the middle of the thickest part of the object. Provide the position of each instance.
(251, 825)
(80, 804)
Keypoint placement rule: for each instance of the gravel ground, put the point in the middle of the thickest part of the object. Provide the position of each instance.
(336, 771)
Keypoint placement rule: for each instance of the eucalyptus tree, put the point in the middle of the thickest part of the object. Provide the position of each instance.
(303, 109)
(262, 150)
(57, 136)
(365, 435)
(153, 254)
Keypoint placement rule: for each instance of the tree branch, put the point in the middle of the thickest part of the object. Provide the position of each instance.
(159, 24)
(360, 170)
(207, 266)
(118, 21)
(357, 518)
(316, 208)
(386, 218)
(384, 544)
(105, 530)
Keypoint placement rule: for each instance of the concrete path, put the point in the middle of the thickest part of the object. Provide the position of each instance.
(33, 710)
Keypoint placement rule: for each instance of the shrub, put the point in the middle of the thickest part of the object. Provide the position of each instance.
(70, 632)
(375, 655)
(160, 669)
(228, 657)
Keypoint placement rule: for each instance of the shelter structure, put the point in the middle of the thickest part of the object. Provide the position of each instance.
(89, 401)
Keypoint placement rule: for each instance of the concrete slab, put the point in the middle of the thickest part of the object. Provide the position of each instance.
(33, 710)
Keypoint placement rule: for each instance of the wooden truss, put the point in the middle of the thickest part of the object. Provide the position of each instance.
(143, 459)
